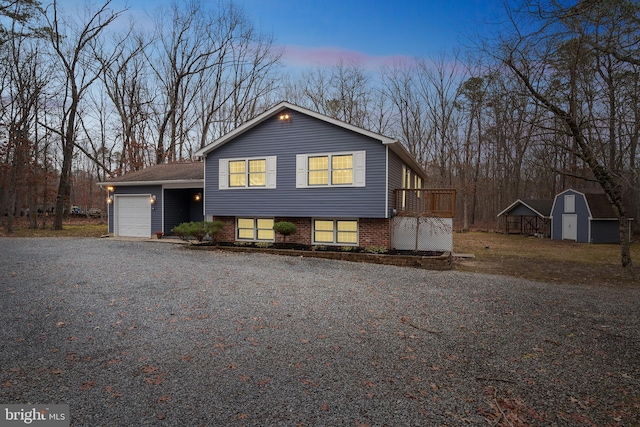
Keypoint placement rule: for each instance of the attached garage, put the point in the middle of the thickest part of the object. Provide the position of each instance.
(132, 215)
(155, 199)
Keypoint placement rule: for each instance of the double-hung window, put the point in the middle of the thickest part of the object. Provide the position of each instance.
(318, 170)
(247, 173)
(331, 170)
(335, 232)
(255, 229)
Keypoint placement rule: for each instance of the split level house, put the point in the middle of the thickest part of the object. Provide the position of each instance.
(339, 184)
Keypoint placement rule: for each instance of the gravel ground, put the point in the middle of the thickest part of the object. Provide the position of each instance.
(148, 333)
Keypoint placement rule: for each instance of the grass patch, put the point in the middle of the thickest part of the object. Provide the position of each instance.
(72, 228)
(544, 259)
(496, 245)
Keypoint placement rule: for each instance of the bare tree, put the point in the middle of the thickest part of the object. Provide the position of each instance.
(23, 84)
(438, 86)
(343, 91)
(400, 86)
(72, 46)
(473, 91)
(238, 86)
(190, 42)
(125, 80)
(555, 63)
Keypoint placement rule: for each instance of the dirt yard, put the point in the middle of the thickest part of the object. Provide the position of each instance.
(544, 259)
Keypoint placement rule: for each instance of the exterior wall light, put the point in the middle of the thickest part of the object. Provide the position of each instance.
(110, 189)
(284, 117)
(110, 199)
(198, 197)
(152, 199)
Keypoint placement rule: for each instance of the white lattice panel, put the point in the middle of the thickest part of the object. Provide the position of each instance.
(422, 234)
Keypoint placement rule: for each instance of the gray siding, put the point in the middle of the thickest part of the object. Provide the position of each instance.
(605, 231)
(395, 176)
(302, 135)
(581, 211)
(180, 206)
(156, 210)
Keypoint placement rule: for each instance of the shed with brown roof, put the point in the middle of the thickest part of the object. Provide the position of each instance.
(584, 217)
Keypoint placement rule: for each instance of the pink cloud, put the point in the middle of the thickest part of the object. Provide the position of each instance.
(301, 56)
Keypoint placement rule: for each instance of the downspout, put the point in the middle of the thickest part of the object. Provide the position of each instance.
(386, 182)
(204, 187)
(161, 212)
(387, 214)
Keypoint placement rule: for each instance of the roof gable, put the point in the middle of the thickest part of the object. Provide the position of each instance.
(598, 204)
(394, 144)
(539, 207)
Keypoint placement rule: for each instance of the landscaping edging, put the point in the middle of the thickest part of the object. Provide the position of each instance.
(439, 262)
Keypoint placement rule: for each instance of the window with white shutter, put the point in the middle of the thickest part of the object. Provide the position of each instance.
(247, 173)
(331, 170)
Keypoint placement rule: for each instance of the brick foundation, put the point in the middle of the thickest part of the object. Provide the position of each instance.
(375, 232)
(302, 235)
(372, 231)
(228, 233)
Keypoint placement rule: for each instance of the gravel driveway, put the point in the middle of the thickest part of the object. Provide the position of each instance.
(148, 333)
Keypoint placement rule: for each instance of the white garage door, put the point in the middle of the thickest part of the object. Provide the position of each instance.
(133, 216)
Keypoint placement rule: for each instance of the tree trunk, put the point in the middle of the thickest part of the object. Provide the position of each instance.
(64, 185)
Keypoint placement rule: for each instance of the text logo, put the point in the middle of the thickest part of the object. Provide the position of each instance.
(34, 415)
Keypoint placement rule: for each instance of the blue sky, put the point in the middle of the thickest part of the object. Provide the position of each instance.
(371, 31)
(368, 32)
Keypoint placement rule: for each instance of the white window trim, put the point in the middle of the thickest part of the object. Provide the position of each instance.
(223, 173)
(359, 169)
(335, 231)
(255, 229)
(570, 203)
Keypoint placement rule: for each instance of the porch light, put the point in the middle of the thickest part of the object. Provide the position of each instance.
(110, 199)
(198, 196)
(152, 199)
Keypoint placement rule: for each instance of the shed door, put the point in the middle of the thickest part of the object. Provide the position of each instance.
(570, 227)
(133, 216)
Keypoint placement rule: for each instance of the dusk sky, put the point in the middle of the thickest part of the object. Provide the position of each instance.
(369, 32)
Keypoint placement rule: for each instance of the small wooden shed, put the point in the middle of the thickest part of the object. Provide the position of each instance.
(530, 217)
(584, 217)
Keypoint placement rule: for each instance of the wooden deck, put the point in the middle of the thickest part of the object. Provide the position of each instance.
(428, 202)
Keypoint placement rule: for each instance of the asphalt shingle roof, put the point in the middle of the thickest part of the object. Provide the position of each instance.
(600, 206)
(543, 206)
(164, 172)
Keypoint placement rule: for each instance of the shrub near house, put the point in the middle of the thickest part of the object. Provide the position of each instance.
(198, 230)
(285, 228)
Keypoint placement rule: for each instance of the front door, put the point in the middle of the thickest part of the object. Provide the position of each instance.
(570, 227)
